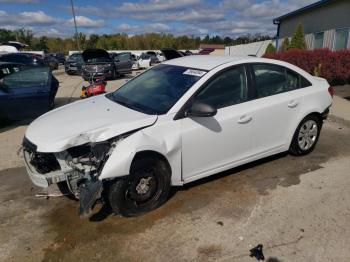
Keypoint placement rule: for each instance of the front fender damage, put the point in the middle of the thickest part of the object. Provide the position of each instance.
(167, 143)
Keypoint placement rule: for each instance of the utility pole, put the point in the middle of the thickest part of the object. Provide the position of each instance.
(75, 24)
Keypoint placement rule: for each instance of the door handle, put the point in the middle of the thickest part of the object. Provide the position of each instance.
(293, 103)
(244, 119)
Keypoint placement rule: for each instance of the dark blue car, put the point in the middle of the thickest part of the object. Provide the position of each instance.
(25, 92)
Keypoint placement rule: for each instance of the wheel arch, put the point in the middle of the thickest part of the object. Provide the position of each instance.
(152, 153)
(313, 112)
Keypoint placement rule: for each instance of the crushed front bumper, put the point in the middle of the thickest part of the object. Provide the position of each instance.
(43, 180)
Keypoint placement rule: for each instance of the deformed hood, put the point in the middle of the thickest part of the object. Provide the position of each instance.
(93, 53)
(92, 120)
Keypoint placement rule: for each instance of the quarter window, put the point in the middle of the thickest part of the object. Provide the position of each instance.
(228, 88)
(272, 79)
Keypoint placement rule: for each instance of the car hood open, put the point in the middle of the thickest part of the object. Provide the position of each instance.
(92, 120)
(93, 53)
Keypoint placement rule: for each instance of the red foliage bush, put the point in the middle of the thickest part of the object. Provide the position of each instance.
(335, 66)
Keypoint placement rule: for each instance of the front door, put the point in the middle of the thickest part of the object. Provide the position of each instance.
(211, 144)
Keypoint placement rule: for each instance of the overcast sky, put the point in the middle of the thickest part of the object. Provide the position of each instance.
(190, 17)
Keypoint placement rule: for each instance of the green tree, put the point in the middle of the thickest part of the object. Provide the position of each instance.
(43, 44)
(6, 35)
(270, 49)
(285, 45)
(24, 36)
(298, 39)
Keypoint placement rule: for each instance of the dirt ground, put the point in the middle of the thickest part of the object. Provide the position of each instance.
(297, 207)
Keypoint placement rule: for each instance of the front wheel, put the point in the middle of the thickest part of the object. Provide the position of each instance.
(306, 136)
(144, 189)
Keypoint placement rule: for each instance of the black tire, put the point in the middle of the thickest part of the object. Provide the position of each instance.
(124, 197)
(295, 147)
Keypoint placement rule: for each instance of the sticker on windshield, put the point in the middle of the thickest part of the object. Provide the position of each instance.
(193, 72)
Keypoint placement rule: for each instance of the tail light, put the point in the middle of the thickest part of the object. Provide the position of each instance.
(331, 91)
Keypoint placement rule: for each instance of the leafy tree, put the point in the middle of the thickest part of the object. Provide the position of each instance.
(285, 45)
(270, 49)
(298, 39)
(24, 36)
(6, 35)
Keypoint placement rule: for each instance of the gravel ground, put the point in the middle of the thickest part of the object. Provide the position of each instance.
(297, 207)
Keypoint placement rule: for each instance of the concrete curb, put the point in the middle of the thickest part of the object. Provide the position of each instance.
(340, 108)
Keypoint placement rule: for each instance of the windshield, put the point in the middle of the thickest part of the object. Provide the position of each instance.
(76, 58)
(156, 90)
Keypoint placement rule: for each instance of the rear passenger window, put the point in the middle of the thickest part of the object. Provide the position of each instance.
(226, 89)
(273, 79)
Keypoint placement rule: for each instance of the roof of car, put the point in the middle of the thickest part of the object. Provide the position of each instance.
(205, 62)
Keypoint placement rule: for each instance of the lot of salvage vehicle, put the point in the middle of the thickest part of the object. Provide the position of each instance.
(297, 208)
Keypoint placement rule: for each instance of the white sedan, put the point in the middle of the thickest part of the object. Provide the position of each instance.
(183, 120)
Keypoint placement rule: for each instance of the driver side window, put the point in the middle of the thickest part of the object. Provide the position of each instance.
(226, 89)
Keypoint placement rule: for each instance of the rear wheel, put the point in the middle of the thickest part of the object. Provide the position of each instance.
(306, 136)
(146, 188)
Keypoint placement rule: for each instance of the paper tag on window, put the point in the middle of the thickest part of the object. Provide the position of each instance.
(194, 72)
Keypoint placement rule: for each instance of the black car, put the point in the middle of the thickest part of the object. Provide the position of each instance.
(73, 64)
(51, 62)
(59, 57)
(28, 59)
(99, 63)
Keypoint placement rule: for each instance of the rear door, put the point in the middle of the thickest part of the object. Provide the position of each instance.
(27, 93)
(278, 98)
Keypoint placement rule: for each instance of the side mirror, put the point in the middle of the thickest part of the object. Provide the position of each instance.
(201, 110)
(116, 60)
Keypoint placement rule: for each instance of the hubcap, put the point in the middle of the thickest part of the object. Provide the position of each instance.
(307, 134)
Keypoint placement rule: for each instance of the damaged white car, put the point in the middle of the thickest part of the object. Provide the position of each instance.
(178, 122)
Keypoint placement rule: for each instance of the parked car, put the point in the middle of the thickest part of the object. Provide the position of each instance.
(28, 59)
(172, 53)
(73, 64)
(51, 62)
(141, 62)
(153, 56)
(59, 57)
(100, 63)
(26, 92)
(177, 122)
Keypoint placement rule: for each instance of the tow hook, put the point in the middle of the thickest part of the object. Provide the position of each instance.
(90, 191)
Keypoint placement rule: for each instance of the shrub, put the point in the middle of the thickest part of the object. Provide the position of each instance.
(334, 66)
(270, 49)
(298, 38)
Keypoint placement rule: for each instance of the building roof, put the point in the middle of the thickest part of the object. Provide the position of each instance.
(213, 46)
(301, 10)
(205, 62)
